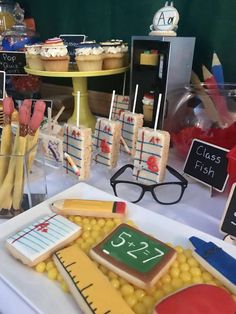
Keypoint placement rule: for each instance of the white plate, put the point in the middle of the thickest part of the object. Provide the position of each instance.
(44, 295)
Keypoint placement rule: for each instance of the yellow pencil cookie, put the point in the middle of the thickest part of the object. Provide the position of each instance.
(92, 208)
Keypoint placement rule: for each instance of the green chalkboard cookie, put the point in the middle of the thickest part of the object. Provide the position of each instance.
(134, 255)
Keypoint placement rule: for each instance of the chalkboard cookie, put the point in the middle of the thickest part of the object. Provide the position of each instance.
(197, 299)
(134, 255)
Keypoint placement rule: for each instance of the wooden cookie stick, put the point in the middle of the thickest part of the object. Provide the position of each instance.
(6, 141)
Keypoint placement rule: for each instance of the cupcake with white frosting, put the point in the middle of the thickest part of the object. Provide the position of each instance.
(89, 56)
(33, 57)
(54, 55)
(113, 54)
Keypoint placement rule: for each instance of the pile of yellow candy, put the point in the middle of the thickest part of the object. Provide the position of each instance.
(184, 271)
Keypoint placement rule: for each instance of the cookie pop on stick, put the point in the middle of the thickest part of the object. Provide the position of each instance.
(130, 123)
(34, 125)
(15, 161)
(151, 153)
(77, 146)
(6, 142)
(106, 139)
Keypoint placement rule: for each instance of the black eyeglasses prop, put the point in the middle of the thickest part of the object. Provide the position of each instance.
(166, 193)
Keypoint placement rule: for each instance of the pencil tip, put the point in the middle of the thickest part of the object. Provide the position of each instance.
(206, 73)
(215, 59)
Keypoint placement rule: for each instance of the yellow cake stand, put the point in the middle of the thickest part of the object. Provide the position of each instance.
(79, 81)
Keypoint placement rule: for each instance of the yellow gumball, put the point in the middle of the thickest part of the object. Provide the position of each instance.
(174, 272)
(64, 287)
(77, 220)
(131, 300)
(127, 289)
(139, 294)
(40, 267)
(52, 273)
(115, 283)
(140, 308)
(50, 265)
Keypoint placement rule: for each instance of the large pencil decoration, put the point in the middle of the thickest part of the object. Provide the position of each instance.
(8, 184)
(217, 70)
(34, 125)
(6, 143)
(219, 100)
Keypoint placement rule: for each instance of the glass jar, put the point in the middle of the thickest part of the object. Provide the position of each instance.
(19, 35)
(6, 14)
(207, 113)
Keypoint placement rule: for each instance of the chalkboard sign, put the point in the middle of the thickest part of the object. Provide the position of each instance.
(207, 163)
(12, 63)
(2, 84)
(72, 42)
(228, 222)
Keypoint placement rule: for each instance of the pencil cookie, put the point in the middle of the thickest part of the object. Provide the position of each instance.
(89, 286)
(134, 255)
(39, 240)
(92, 208)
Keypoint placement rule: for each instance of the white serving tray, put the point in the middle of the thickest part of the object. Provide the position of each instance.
(44, 295)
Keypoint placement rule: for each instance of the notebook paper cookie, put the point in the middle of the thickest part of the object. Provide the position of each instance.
(77, 143)
(90, 287)
(134, 255)
(130, 123)
(106, 142)
(39, 240)
(151, 155)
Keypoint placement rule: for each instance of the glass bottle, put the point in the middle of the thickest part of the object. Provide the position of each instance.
(19, 35)
(6, 14)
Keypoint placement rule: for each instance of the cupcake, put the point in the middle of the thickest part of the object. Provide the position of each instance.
(148, 100)
(125, 50)
(54, 55)
(33, 57)
(113, 55)
(89, 56)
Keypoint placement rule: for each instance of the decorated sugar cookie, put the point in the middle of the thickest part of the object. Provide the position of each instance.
(39, 240)
(134, 255)
(151, 155)
(90, 287)
(106, 142)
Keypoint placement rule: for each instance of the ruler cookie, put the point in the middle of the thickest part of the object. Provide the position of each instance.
(89, 286)
(134, 255)
(92, 208)
(151, 155)
(39, 240)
